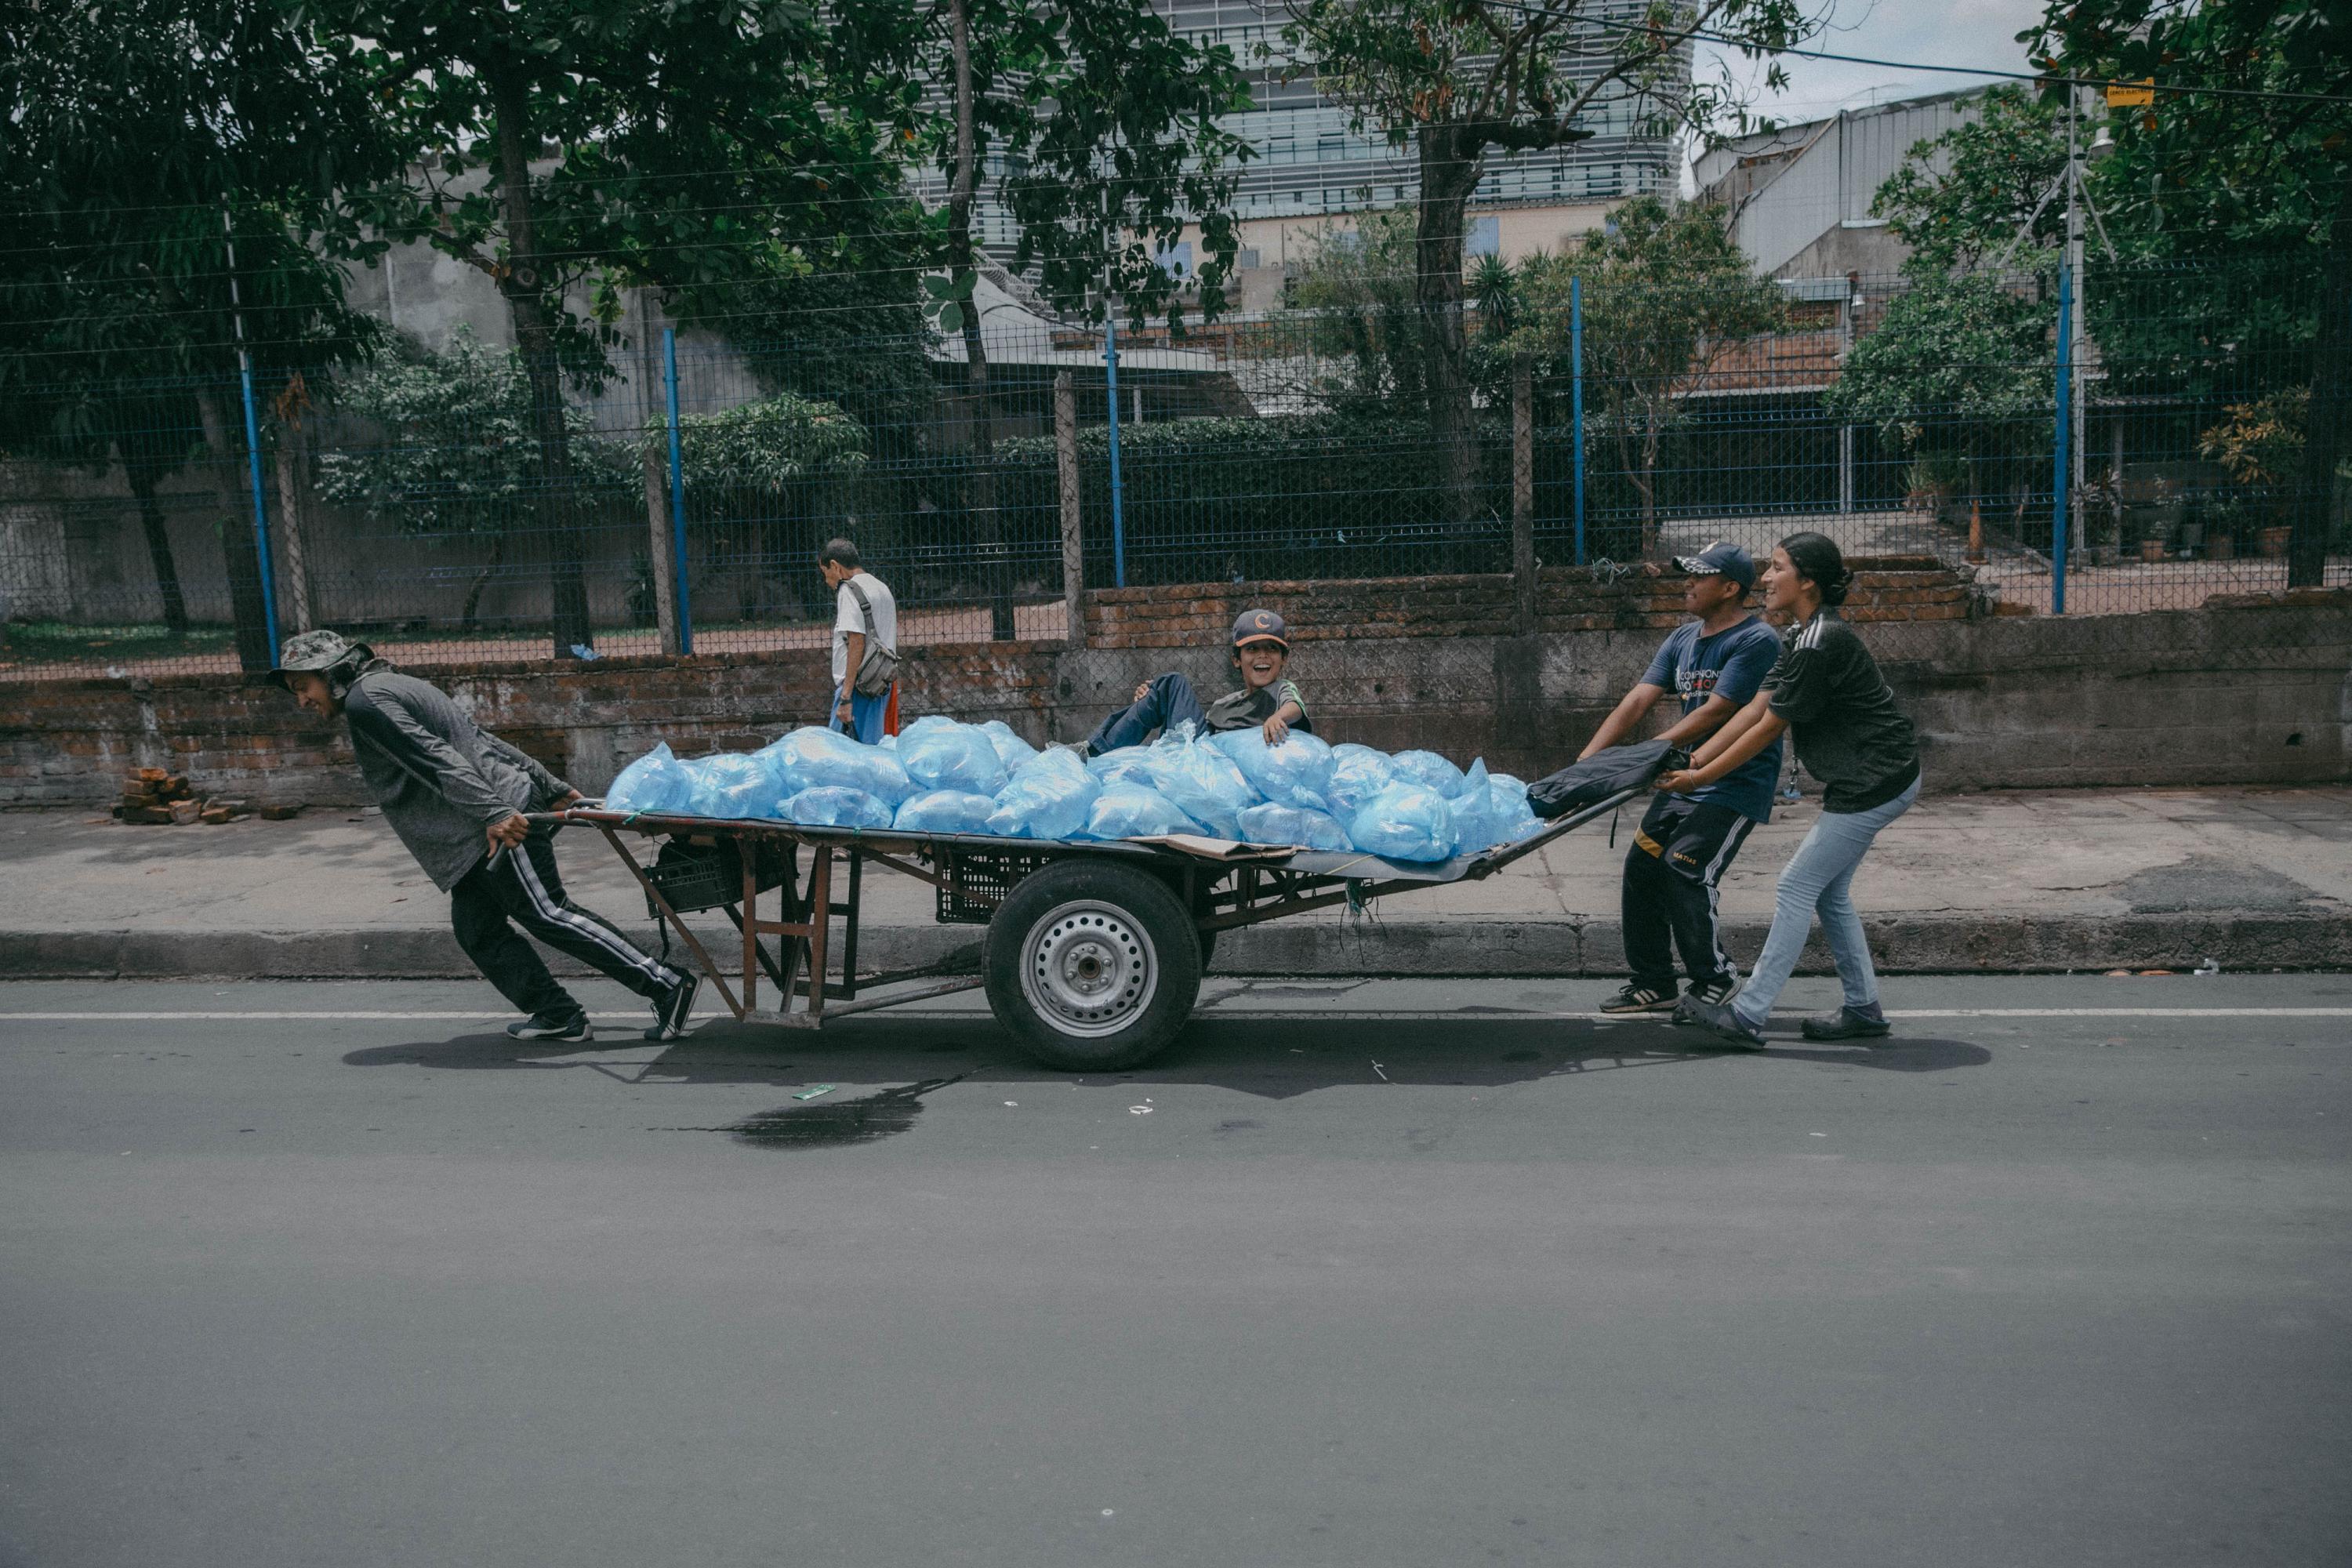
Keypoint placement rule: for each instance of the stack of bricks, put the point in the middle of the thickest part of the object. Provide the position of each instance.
(1567, 599)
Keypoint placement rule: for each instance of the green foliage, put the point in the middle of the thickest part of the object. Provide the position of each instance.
(2261, 443)
(1962, 364)
(1965, 197)
(457, 452)
(766, 446)
(1364, 330)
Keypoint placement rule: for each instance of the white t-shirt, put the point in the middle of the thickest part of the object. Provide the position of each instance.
(848, 617)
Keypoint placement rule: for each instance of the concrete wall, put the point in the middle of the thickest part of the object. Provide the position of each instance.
(2257, 691)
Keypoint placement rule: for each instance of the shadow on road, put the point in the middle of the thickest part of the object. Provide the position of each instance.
(1272, 1059)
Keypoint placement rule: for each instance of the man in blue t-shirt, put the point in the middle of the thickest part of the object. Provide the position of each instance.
(1714, 666)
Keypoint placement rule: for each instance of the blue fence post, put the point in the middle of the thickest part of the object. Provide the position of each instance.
(2066, 399)
(260, 510)
(677, 493)
(1576, 403)
(1118, 498)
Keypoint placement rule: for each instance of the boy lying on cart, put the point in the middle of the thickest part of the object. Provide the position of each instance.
(1261, 652)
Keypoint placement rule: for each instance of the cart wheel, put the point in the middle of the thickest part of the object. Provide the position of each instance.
(1092, 966)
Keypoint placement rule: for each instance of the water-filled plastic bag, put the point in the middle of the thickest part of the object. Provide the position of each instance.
(1272, 824)
(1131, 811)
(1296, 773)
(1200, 779)
(1405, 822)
(1010, 749)
(1129, 765)
(1474, 821)
(810, 758)
(1429, 770)
(1049, 797)
(1358, 773)
(736, 784)
(657, 782)
(1506, 803)
(833, 805)
(944, 811)
(940, 753)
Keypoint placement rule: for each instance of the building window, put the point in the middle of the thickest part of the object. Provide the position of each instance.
(1176, 260)
(1483, 237)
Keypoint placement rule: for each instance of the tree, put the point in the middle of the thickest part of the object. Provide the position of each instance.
(1356, 287)
(2268, 164)
(1455, 78)
(147, 145)
(1957, 370)
(709, 148)
(1666, 295)
(456, 454)
(772, 476)
(1979, 193)
(1098, 120)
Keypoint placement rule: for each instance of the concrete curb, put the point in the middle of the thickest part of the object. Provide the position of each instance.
(1965, 944)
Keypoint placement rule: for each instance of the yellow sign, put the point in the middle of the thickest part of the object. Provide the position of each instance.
(2127, 95)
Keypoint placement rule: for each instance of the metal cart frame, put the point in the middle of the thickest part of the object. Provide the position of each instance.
(1101, 936)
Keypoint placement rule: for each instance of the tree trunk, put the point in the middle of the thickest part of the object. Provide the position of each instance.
(159, 542)
(1648, 483)
(294, 555)
(2323, 444)
(981, 485)
(524, 287)
(247, 609)
(1450, 164)
(468, 617)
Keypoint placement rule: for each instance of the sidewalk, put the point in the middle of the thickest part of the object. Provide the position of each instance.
(2250, 879)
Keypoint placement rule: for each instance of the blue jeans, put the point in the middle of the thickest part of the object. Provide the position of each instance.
(1819, 880)
(866, 713)
(1168, 702)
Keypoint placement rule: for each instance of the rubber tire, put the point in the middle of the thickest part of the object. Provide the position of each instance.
(1143, 898)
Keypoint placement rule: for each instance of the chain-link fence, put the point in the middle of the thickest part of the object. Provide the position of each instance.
(2123, 442)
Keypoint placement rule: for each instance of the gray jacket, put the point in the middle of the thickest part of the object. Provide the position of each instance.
(440, 780)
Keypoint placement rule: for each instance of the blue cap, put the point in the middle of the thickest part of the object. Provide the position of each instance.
(1721, 559)
(1260, 626)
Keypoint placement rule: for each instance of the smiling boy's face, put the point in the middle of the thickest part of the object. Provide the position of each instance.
(1261, 663)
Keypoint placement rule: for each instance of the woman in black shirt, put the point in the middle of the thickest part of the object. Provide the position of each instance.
(1827, 693)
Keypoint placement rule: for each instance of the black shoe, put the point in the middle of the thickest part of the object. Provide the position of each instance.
(1719, 1019)
(673, 1007)
(1847, 1024)
(1640, 999)
(1715, 993)
(552, 1027)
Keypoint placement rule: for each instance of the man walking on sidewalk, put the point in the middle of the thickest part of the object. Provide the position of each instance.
(865, 646)
(1714, 666)
(456, 795)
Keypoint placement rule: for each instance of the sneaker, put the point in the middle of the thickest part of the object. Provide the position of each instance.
(1850, 1024)
(1715, 993)
(552, 1027)
(1640, 999)
(1719, 1019)
(673, 1007)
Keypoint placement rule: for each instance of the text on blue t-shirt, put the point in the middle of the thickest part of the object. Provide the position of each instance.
(1732, 665)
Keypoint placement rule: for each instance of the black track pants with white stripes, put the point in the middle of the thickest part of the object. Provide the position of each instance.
(521, 888)
(1678, 858)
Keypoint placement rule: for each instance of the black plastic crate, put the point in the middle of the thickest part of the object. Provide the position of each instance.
(704, 875)
(981, 872)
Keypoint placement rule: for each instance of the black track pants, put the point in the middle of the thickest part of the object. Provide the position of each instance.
(521, 888)
(1669, 898)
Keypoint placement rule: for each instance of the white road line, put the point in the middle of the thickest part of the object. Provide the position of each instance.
(1210, 1011)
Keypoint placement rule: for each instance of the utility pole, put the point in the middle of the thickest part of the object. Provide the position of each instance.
(2077, 198)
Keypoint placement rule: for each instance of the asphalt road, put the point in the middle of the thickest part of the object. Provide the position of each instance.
(1385, 1273)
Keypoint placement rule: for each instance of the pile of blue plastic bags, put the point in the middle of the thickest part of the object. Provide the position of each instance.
(943, 776)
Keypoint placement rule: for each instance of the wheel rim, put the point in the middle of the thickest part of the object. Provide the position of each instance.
(1088, 969)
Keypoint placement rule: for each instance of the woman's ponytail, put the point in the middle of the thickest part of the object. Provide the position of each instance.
(1819, 561)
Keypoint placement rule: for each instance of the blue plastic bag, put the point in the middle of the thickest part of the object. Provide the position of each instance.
(812, 758)
(1296, 773)
(1129, 765)
(940, 753)
(1428, 770)
(736, 784)
(1131, 811)
(1010, 749)
(1405, 822)
(1200, 779)
(1049, 797)
(944, 811)
(657, 782)
(1474, 821)
(1507, 803)
(1309, 829)
(1358, 773)
(834, 806)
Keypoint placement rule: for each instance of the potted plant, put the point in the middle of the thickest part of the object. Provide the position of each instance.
(2260, 444)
